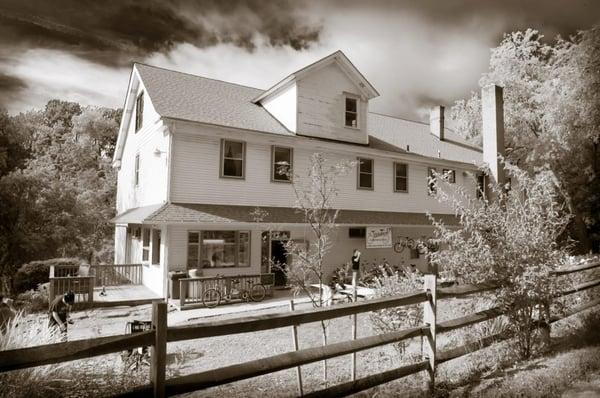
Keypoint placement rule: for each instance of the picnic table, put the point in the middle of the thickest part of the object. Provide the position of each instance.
(347, 294)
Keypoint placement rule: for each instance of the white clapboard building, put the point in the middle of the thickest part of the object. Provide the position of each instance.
(196, 164)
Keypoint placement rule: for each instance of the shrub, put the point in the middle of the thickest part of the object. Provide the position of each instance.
(397, 318)
(512, 242)
(34, 300)
(30, 275)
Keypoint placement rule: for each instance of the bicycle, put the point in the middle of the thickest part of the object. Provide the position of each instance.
(255, 292)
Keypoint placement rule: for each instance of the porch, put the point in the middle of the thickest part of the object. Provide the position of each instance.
(101, 285)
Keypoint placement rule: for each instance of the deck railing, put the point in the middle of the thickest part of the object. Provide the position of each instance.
(64, 278)
(191, 289)
(161, 334)
(117, 274)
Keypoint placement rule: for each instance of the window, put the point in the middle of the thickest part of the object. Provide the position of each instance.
(218, 249)
(365, 173)
(145, 244)
(360, 232)
(351, 114)
(136, 172)
(480, 186)
(281, 163)
(139, 111)
(450, 175)
(232, 158)
(431, 188)
(400, 177)
(156, 246)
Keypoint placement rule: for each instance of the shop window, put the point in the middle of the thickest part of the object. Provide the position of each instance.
(357, 232)
(218, 249)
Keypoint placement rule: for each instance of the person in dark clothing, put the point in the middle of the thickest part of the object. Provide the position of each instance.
(355, 267)
(59, 312)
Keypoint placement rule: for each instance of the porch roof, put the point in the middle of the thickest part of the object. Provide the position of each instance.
(137, 215)
(192, 213)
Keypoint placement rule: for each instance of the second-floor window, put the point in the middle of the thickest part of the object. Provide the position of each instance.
(136, 171)
(450, 175)
(351, 113)
(431, 183)
(365, 173)
(281, 167)
(233, 155)
(400, 177)
(139, 111)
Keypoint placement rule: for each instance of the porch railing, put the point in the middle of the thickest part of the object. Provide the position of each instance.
(117, 274)
(64, 278)
(191, 289)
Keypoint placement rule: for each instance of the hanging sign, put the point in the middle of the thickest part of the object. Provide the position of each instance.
(379, 237)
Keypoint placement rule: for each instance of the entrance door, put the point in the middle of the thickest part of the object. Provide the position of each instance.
(279, 262)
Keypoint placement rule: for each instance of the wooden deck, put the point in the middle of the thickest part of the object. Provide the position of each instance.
(124, 295)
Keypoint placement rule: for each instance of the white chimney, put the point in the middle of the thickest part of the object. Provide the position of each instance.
(492, 112)
(436, 121)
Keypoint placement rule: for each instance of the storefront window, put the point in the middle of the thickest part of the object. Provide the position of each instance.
(218, 249)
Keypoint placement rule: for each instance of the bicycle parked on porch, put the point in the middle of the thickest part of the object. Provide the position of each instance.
(254, 292)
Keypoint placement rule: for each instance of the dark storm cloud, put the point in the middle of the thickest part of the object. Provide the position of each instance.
(10, 86)
(114, 33)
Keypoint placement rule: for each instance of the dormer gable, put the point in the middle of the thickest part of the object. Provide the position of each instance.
(327, 99)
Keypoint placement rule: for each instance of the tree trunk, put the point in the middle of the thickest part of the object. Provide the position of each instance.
(324, 331)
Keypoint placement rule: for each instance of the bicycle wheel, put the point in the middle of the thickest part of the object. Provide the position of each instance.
(211, 298)
(257, 293)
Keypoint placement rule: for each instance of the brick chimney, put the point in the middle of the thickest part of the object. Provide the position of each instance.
(492, 112)
(436, 121)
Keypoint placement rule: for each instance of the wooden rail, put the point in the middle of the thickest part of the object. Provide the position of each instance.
(117, 274)
(191, 289)
(161, 335)
(63, 279)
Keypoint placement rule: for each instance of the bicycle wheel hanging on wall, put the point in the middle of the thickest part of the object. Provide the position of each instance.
(211, 298)
(257, 293)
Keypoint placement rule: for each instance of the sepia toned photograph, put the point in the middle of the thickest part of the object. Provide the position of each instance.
(299, 198)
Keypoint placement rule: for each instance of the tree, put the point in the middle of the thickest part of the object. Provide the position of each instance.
(552, 114)
(512, 242)
(315, 195)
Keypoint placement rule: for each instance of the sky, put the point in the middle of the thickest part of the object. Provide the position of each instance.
(416, 53)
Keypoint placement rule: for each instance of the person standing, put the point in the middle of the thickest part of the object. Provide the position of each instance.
(355, 267)
(59, 312)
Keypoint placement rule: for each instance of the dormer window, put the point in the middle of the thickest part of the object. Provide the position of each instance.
(351, 113)
(139, 111)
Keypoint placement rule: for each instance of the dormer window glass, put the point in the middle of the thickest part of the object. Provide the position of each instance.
(351, 114)
(139, 111)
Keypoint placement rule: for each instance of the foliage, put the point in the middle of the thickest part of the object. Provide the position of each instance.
(34, 300)
(402, 317)
(552, 114)
(40, 381)
(511, 242)
(57, 185)
(32, 274)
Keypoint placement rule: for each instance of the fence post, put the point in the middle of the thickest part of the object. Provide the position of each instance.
(182, 292)
(354, 318)
(295, 340)
(90, 289)
(430, 319)
(159, 348)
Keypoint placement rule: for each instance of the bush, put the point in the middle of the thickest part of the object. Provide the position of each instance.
(32, 274)
(34, 300)
(402, 317)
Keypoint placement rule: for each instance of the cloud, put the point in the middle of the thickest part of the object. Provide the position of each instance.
(117, 33)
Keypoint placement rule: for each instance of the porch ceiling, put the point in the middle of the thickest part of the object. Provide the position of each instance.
(178, 213)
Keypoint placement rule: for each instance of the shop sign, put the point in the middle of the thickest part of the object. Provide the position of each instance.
(379, 237)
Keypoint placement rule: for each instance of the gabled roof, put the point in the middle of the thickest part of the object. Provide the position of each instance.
(338, 57)
(194, 98)
(415, 137)
(184, 213)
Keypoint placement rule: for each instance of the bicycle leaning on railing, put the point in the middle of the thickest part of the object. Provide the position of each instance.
(254, 292)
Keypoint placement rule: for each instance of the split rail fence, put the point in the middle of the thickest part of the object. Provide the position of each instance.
(160, 335)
